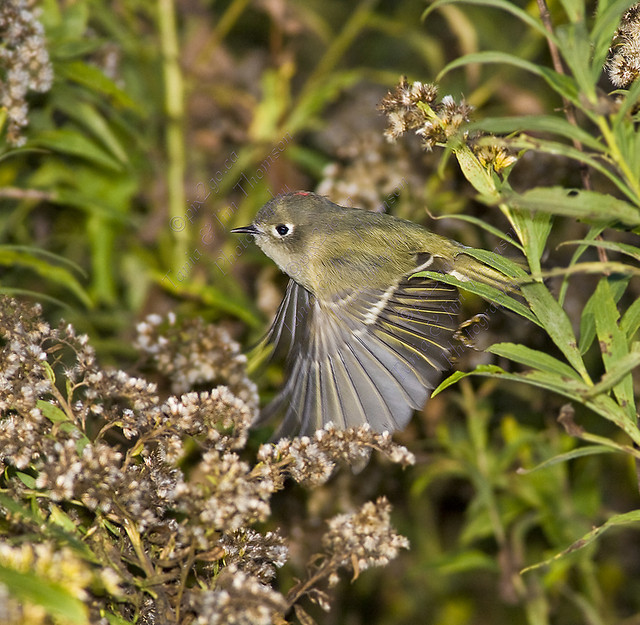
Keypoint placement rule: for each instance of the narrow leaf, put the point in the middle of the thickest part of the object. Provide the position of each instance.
(619, 520)
(579, 452)
(551, 124)
(618, 371)
(613, 344)
(490, 370)
(55, 599)
(588, 317)
(505, 5)
(48, 271)
(485, 226)
(614, 246)
(558, 82)
(474, 172)
(96, 80)
(555, 321)
(533, 358)
(630, 321)
(73, 143)
(587, 205)
(489, 293)
(52, 412)
(555, 148)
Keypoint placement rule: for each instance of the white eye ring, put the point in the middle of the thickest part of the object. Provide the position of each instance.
(282, 230)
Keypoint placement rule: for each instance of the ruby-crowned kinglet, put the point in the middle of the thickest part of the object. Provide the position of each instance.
(365, 341)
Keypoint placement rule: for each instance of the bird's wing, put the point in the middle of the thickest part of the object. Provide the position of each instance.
(366, 356)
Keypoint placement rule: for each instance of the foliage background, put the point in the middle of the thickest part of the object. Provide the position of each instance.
(169, 123)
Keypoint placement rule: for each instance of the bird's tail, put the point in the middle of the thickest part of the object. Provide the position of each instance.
(467, 268)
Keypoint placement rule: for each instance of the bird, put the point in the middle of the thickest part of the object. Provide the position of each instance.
(364, 339)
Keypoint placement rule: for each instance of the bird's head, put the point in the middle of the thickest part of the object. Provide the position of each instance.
(290, 229)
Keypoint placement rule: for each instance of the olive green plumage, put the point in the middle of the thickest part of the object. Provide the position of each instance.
(364, 341)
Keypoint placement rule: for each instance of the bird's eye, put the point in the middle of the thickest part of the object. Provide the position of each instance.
(282, 229)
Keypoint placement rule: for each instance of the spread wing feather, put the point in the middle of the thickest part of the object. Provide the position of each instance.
(368, 356)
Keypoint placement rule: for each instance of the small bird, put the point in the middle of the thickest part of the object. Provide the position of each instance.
(365, 341)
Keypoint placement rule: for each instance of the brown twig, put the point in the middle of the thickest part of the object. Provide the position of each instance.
(16, 193)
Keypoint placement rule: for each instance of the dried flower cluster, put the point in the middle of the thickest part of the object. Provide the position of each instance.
(623, 65)
(196, 354)
(364, 539)
(414, 107)
(311, 460)
(373, 173)
(24, 63)
(156, 497)
(240, 599)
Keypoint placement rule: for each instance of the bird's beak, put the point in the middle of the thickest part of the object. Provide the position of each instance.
(250, 229)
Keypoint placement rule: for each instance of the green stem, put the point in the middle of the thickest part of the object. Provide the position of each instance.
(354, 25)
(174, 109)
(632, 180)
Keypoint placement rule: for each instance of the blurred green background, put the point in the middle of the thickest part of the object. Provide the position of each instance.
(169, 123)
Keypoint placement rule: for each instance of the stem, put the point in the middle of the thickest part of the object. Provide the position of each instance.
(334, 54)
(174, 109)
(632, 180)
(15, 193)
(186, 568)
(303, 587)
(163, 604)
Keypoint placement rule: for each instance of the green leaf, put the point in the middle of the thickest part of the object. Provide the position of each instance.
(555, 321)
(52, 412)
(533, 231)
(614, 246)
(95, 79)
(618, 520)
(61, 518)
(579, 452)
(59, 275)
(54, 598)
(87, 115)
(573, 389)
(613, 345)
(481, 223)
(558, 82)
(619, 370)
(474, 171)
(505, 5)
(630, 321)
(575, 47)
(533, 358)
(555, 148)
(74, 143)
(485, 291)
(585, 205)
(28, 480)
(490, 370)
(55, 415)
(558, 126)
(497, 261)
(588, 317)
